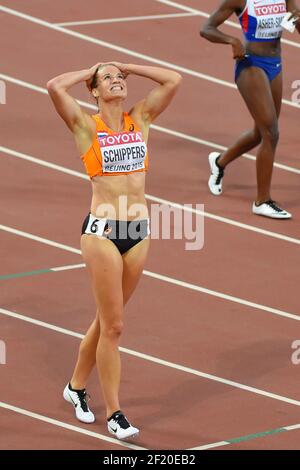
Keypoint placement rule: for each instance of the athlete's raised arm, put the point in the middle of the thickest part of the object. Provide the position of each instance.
(159, 98)
(211, 32)
(66, 106)
(293, 8)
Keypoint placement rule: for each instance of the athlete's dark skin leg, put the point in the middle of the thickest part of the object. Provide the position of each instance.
(263, 100)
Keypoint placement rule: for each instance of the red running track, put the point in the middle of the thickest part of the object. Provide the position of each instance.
(196, 331)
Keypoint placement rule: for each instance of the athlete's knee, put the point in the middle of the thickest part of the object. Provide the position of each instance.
(111, 321)
(270, 132)
(256, 137)
(112, 329)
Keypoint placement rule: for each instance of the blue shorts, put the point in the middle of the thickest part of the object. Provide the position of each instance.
(270, 65)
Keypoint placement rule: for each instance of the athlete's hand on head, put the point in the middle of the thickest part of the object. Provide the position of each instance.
(122, 67)
(91, 72)
(238, 49)
(93, 69)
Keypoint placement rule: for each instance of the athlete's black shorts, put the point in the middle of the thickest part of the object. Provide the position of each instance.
(124, 234)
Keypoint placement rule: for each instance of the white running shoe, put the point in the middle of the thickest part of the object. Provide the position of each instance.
(119, 426)
(217, 173)
(270, 209)
(78, 398)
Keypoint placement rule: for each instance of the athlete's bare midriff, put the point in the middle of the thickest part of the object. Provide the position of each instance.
(267, 49)
(119, 197)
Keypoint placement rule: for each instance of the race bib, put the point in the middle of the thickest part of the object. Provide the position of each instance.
(122, 153)
(95, 226)
(269, 18)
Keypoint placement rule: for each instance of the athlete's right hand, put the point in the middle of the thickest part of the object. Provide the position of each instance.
(93, 69)
(90, 74)
(238, 49)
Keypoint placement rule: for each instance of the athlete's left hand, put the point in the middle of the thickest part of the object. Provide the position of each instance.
(296, 14)
(122, 67)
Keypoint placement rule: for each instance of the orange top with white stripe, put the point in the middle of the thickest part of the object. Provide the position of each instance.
(116, 153)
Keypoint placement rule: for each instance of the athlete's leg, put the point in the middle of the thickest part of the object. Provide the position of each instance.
(110, 275)
(86, 356)
(256, 90)
(251, 138)
(87, 350)
(105, 266)
(133, 264)
(246, 142)
(276, 88)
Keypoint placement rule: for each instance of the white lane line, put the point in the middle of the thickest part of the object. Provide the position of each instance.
(157, 128)
(44, 163)
(248, 438)
(161, 362)
(126, 19)
(225, 220)
(292, 428)
(159, 200)
(126, 51)
(68, 267)
(185, 8)
(40, 323)
(161, 277)
(220, 295)
(211, 446)
(204, 14)
(213, 145)
(114, 47)
(69, 427)
(163, 201)
(45, 241)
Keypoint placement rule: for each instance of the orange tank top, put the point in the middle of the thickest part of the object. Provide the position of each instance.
(116, 153)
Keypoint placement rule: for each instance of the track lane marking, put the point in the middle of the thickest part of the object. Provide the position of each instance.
(135, 447)
(127, 51)
(204, 14)
(36, 238)
(69, 427)
(155, 127)
(159, 361)
(158, 200)
(248, 437)
(157, 276)
(126, 19)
